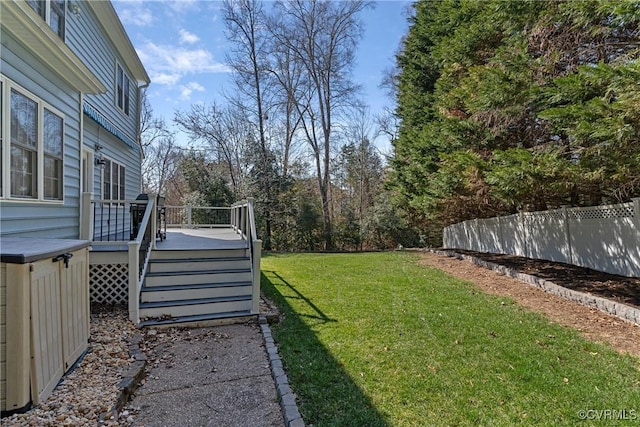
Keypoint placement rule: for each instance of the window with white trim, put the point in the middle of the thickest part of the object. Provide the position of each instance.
(53, 13)
(123, 88)
(32, 147)
(53, 137)
(113, 175)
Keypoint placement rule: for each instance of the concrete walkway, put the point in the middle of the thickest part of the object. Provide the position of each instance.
(216, 376)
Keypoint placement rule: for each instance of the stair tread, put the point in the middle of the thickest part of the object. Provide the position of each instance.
(178, 260)
(194, 286)
(174, 303)
(195, 272)
(194, 318)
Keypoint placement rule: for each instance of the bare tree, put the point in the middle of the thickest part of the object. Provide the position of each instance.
(161, 165)
(321, 36)
(161, 153)
(245, 28)
(151, 128)
(227, 136)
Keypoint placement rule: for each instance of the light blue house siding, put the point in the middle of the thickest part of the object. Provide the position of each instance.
(39, 218)
(86, 39)
(76, 77)
(113, 149)
(106, 126)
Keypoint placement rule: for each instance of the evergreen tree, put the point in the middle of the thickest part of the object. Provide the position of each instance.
(516, 105)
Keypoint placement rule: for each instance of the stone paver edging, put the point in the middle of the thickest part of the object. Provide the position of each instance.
(622, 311)
(287, 398)
(131, 377)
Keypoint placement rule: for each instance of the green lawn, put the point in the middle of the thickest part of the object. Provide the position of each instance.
(376, 340)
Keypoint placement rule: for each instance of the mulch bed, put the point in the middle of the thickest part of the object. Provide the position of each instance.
(625, 290)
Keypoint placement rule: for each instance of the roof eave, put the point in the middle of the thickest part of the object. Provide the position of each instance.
(112, 26)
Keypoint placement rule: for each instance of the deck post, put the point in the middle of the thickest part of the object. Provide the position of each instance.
(86, 217)
(153, 198)
(255, 300)
(243, 221)
(232, 216)
(134, 295)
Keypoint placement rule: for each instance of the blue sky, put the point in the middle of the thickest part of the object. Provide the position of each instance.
(182, 45)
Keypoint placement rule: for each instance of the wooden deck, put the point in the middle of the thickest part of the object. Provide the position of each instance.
(201, 238)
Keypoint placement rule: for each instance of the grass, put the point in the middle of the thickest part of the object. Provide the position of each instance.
(376, 340)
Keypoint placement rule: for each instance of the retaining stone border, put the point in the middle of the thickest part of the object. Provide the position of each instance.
(623, 311)
(287, 398)
(132, 377)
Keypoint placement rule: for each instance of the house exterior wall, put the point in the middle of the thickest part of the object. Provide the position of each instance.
(115, 150)
(93, 122)
(37, 218)
(86, 39)
(113, 136)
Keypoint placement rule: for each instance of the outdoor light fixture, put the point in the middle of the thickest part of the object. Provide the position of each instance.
(99, 160)
(74, 8)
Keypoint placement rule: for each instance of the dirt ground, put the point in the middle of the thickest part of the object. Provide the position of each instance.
(593, 324)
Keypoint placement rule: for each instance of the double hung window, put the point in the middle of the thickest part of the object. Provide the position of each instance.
(32, 147)
(113, 176)
(53, 13)
(123, 88)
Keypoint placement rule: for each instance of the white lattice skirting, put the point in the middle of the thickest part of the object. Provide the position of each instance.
(109, 283)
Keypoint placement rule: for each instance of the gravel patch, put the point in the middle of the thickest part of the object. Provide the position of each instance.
(87, 395)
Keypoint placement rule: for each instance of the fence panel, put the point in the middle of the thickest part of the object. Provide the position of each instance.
(490, 231)
(514, 236)
(455, 236)
(547, 236)
(605, 238)
(473, 233)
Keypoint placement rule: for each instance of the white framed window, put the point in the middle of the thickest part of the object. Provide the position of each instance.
(123, 89)
(113, 179)
(32, 146)
(53, 12)
(53, 133)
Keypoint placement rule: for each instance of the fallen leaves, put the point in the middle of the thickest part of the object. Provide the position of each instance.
(86, 396)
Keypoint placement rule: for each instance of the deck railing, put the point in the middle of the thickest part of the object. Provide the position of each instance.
(243, 221)
(133, 225)
(197, 216)
(126, 225)
(139, 251)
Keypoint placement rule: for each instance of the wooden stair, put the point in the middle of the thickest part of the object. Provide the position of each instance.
(187, 286)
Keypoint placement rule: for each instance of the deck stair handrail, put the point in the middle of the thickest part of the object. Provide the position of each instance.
(243, 222)
(139, 252)
(109, 224)
(132, 226)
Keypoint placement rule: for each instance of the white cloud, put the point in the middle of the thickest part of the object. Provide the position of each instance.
(189, 88)
(135, 13)
(165, 78)
(182, 6)
(167, 64)
(187, 37)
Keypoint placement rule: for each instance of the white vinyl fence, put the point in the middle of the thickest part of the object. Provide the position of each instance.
(604, 238)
